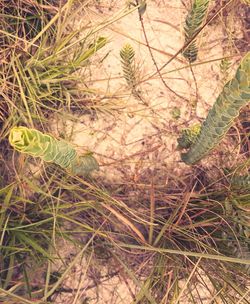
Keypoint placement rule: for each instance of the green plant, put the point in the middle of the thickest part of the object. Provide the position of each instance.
(40, 61)
(188, 136)
(48, 76)
(193, 23)
(127, 55)
(238, 208)
(49, 149)
(225, 65)
(241, 181)
(159, 237)
(235, 94)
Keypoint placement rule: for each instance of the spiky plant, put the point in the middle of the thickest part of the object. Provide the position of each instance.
(127, 55)
(225, 65)
(235, 94)
(193, 24)
(49, 149)
(188, 136)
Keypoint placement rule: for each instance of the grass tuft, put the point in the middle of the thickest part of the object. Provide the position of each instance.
(166, 238)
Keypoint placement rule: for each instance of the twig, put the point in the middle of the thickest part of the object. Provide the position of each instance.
(189, 42)
(152, 55)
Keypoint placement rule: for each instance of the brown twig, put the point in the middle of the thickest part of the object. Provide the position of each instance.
(189, 42)
(152, 55)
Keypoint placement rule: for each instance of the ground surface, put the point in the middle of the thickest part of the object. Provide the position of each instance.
(140, 134)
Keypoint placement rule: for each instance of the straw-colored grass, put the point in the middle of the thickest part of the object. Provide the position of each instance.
(171, 242)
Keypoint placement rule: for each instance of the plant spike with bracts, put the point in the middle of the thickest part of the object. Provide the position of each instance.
(193, 23)
(49, 149)
(127, 55)
(235, 95)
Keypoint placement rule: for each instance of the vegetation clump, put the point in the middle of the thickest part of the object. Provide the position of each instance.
(167, 231)
(37, 144)
(235, 95)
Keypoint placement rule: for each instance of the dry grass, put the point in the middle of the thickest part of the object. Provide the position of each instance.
(162, 237)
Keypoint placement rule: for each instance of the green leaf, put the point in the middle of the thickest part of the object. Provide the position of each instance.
(235, 94)
(49, 149)
(29, 241)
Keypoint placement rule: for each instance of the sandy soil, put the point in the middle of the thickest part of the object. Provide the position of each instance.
(140, 135)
